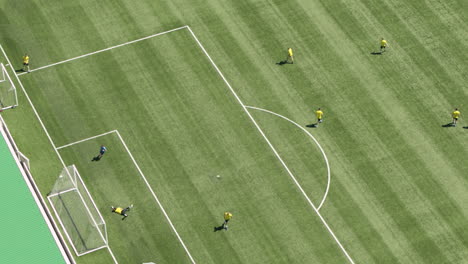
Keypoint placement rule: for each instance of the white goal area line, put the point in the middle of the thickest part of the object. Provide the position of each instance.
(51, 141)
(245, 108)
(144, 179)
(86, 139)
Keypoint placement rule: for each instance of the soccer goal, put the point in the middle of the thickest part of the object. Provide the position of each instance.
(8, 97)
(77, 213)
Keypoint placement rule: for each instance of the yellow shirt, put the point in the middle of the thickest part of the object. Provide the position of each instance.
(456, 114)
(319, 114)
(26, 59)
(227, 216)
(383, 43)
(290, 52)
(118, 210)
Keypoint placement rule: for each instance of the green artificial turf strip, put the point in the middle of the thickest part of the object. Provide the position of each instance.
(398, 190)
(25, 230)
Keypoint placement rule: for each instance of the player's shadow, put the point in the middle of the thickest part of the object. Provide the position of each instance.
(281, 63)
(218, 228)
(97, 158)
(448, 125)
(465, 127)
(376, 53)
(20, 70)
(312, 125)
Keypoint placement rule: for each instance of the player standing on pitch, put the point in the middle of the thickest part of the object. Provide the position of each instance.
(227, 217)
(383, 45)
(290, 56)
(455, 116)
(26, 63)
(102, 151)
(319, 114)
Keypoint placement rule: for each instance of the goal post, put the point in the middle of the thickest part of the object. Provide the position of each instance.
(8, 96)
(77, 213)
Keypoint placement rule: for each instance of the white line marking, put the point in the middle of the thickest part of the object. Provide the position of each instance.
(316, 142)
(271, 146)
(61, 224)
(156, 198)
(123, 142)
(106, 49)
(86, 139)
(45, 130)
(144, 179)
(62, 192)
(238, 99)
(41, 205)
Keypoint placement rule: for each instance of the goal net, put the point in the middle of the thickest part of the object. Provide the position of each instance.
(77, 213)
(8, 97)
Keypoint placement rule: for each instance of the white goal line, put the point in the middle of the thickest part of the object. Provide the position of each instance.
(106, 49)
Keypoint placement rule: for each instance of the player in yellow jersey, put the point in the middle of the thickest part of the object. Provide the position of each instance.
(290, 57)
(455, 116)
(383, 45)
(227, 217)
(26, 62)
(121, 211)
(319, 114)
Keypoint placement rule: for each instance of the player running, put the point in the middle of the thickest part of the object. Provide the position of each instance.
(290, 56)
(383, 45)
(227, 217)
(455, 116)
(26, 62)
(121, 211)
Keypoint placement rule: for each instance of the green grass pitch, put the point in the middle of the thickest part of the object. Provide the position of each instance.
(398, 189)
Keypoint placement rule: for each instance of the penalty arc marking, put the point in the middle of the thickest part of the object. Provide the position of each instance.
(234, 94)
(316, 142)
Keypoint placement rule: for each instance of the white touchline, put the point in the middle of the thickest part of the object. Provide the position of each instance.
(86, 139)
(271, 146)
(106, 49)
(45, 130)
(316, 142)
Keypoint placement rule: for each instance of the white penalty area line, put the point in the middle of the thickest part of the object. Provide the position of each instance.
(47, 134)
(271, 146)
(316, 142)
(106, 49)
(146, 182)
